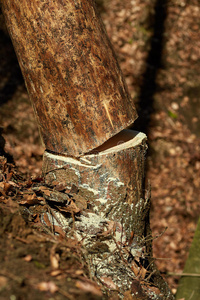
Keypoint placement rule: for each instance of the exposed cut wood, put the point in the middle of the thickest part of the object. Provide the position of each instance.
(71, 73)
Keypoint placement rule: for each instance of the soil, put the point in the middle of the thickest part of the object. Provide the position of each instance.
(157, 44)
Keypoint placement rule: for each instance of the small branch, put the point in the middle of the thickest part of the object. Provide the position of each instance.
(183, 274)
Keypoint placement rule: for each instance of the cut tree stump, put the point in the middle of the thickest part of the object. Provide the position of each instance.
(112, 217)
(109, 213)
(111, 180)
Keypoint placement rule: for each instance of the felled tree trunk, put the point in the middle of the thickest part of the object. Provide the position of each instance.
(83, 109)
(71, 73)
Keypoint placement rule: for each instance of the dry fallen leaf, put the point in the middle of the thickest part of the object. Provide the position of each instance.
(89, 287)
(28, 258)
(55, 273)
(54, 258)
(3, 282)
(79, 272)
(30, 199)
(80, 201)
(45, 190)
(109, 283)
(135, 268)
(143, 272)
(48, 286)
(70, 208)
(128, 296)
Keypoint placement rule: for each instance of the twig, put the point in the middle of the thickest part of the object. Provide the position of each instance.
(184, 274)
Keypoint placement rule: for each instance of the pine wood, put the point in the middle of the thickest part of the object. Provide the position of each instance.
(71, 73)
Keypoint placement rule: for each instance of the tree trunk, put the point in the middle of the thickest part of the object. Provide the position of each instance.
(71, 73)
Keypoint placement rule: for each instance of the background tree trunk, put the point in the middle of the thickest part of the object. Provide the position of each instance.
(189, 285)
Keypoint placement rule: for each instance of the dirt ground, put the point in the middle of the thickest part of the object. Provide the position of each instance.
(158, 47)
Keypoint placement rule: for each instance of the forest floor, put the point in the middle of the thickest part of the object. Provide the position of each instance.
(158, 48)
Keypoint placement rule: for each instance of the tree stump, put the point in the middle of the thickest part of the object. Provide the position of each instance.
(111, 180)
(112, 220)
(110, 213)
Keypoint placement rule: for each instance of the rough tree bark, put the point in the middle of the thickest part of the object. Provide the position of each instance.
(71, 73)
(83, 108)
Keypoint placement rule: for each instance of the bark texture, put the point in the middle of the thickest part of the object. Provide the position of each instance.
(109, 214)
(71, 73)
(112, 219)
(111, 181)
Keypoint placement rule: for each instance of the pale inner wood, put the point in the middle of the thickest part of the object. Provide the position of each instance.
(124, 139)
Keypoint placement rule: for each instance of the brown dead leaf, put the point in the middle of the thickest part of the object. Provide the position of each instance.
(30, 199)
(6, 187)
(79, 272)
(9, 176)
(109, 283)
(143, 272)
(55, 273)
(37, 218)
(2, 189)
(135, 268)
(3, 282)
(70, 208)
(74, 189)
(59, 230)
(13, 183)
(45, 190)
(91, 287)
(46, 220)
(54, 258)
(28, 258)
(48, 286)
(128, 296)
(81, 203)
